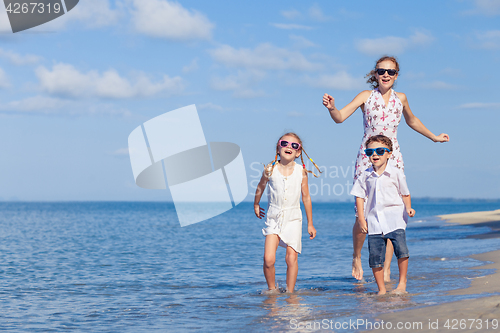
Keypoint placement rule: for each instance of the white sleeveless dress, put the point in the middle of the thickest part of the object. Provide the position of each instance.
(284, 217)
(380, 119)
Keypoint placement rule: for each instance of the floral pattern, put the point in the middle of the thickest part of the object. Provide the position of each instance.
(380, 119)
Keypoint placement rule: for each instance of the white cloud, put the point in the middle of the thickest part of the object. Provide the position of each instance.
(291, 14)
(94, 13)
(4, 21)
(41, 104)
(66, 80)
(338, 81)
(489, 106)
(191, 67)
(211, 106)
(121, 152)
(165, 19)
(91, 13)
(264, 56)
(18, 59)
(240, 83)
(316, 13)
(392, 44)
(489, 40)
(57, 106)
(4, 81)
(291, 26)
(486, 7)
(301, 42)
(440, 85)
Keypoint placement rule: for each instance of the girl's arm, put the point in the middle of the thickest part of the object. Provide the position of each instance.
(360, 207)
(407, 202)
(306, 199)
(339, 116)
(417, 125)
(259, 211)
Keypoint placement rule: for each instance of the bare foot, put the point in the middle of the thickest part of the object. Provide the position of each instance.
(357, 269)
(382, 292)
(399, 292)
(401, 289)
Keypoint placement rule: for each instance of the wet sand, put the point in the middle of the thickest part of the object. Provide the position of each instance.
(473, 315)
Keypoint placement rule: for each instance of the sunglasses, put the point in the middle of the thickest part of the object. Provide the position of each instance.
(380, 151)
(294, 145)
(381, 71)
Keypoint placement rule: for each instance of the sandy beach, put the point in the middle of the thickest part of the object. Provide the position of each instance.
(480, 314)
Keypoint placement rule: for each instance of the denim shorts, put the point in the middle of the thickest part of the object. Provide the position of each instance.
(377, 244)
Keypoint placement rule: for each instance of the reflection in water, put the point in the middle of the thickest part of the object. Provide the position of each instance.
(285, 309)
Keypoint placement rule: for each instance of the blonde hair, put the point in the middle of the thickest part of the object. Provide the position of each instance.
(270, 167)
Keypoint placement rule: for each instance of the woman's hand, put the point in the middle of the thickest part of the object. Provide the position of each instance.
(328, 102)
(443, 137)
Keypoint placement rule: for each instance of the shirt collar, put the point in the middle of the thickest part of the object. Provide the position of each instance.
(389, 169)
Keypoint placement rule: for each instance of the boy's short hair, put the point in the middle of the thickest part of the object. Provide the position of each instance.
(380, 138)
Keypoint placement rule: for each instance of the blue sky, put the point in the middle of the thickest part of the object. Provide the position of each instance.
(72, 90)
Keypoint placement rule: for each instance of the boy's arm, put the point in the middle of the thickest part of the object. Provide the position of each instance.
(407, 202)
(306, 199)
(259, 211)
(360, 207)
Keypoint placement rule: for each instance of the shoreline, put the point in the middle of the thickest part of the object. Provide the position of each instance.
(475, 315)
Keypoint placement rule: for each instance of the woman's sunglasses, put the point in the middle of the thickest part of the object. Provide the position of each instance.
(381, 71)
(294, 145)
(380, 151)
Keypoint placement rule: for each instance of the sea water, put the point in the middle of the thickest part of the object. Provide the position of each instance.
(130, 267)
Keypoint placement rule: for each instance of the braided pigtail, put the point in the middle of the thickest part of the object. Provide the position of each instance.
(310, 159)
(270, 168)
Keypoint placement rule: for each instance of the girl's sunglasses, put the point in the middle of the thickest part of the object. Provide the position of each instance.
(381, 71)
(380, 151)
(294, 145)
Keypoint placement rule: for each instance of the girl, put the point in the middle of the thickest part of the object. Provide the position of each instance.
(286, 180)
(382, 108)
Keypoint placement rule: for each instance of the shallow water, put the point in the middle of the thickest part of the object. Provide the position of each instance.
(130, 267)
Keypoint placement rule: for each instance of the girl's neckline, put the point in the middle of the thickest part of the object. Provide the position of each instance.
(293, 169)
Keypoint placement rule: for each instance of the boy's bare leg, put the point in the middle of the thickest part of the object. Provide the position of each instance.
(403, 270)
(378, 273)
(358, 238)
(292, 268)
(270, 247)
(389, 251)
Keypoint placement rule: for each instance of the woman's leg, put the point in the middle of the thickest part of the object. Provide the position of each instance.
(388, 258)
(270, 247)
(358, 238)
(292, 269)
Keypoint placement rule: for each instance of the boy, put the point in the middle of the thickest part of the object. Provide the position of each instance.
(387, 208)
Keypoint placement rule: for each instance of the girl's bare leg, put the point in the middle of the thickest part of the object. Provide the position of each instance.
(389, 251)
(358, 238)
(270, 247)
(292, 268)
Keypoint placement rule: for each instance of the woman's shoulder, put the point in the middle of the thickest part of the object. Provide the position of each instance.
(401, 96)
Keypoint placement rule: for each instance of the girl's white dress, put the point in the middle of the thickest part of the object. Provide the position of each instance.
(284, 217)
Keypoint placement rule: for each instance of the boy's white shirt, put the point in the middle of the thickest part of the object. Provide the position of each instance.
(384, 207)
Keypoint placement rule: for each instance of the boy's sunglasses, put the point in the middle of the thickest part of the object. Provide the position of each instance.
(380, 151)
(284, 143)
(381, 71)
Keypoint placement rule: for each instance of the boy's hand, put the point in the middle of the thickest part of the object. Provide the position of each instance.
(411, 212)
(259, 211)
(312, 231)
(363, 226)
